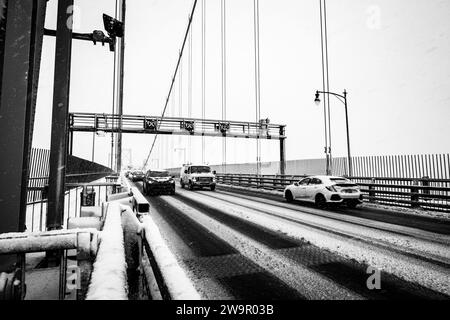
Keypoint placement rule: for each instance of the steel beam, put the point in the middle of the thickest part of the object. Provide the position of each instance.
(60, 115)
(91, 122)
(121, 82)
(22, 30)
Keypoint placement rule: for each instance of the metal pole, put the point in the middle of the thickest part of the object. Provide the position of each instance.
(93, 146)
(71, 143)
(350, 166)
(58, 150)
(121, 82)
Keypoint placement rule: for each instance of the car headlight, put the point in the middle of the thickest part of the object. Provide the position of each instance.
(194, 179)
(331, 188)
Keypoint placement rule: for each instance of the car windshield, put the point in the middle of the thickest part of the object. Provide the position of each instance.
(138, 172)
(159, 174)
(200, 169)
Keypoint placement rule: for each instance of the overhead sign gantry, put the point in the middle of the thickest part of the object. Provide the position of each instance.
(101, 122)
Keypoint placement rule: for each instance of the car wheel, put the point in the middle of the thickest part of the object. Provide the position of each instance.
(213, 188)
(182, 184)
(172, 192)
(352, 204)
(288, 196)
(320, 201)
(191, 185)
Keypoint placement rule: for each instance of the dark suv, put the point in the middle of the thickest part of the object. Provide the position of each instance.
(136, 175)
(158, 182)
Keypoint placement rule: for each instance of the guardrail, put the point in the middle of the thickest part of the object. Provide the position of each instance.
(430, 194)
(118, 250)
(163, 275)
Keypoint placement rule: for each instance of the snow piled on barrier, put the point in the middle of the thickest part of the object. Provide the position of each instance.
(109, 278)
(178, 284)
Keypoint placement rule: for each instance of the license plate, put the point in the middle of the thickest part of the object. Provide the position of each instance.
(349, 191)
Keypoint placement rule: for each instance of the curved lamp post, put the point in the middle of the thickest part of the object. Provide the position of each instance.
(343, 99)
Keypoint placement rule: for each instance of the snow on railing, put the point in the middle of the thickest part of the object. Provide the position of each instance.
(14, 243)
(109, 277)
(175, 280)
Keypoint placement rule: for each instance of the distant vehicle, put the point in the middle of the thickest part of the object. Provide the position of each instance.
(127, 173)
(324, 189)
(158, 181)
(197, 176)
(136, 175)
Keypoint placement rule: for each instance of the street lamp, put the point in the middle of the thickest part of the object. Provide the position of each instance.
(343, 99)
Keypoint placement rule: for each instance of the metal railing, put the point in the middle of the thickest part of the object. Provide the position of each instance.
(78, 195)
(430, 194)
(85, 242)
(164, 278)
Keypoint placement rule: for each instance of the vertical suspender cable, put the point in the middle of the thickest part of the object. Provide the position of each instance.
(325, 110)
(203, 76)
(180, 103)
(190, 91)
(328, 83)
(257, 81)
(172, 142)
(224, 80)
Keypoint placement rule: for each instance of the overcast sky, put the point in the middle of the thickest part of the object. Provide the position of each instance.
(391, 56)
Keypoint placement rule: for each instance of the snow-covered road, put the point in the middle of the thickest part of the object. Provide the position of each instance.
(241, 246)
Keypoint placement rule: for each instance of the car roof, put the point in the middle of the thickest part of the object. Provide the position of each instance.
(323, 177)
(197, 165)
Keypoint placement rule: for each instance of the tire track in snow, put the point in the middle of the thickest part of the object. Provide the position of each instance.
(344, 272)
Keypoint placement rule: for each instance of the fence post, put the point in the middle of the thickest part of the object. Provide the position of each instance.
(372, 191)
(426, 183)
(415, 194)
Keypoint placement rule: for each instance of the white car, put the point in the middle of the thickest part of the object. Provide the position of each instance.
(197, 176)
(324, 189)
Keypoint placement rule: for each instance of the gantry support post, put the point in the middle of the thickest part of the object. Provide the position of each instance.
(60, 116)
(21, 35)
(282, 150)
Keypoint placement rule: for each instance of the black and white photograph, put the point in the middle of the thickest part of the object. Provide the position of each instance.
(224, 158)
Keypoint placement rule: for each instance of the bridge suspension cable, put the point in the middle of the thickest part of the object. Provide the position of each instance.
(224, 79)
(190, 76)
(203, 75)
(173, 77)
(257, 80)
(325, 84)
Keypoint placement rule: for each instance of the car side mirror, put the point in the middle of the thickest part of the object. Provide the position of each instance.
(214, 172)
(296, 184)
(185, 171)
